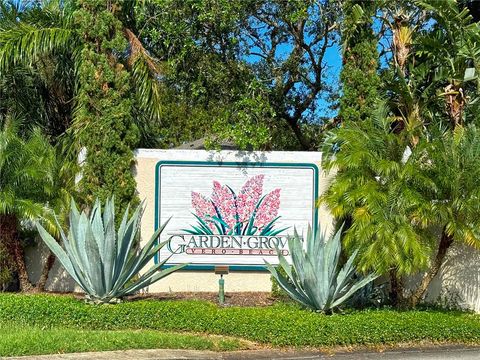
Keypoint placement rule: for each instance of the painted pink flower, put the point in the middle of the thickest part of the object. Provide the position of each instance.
(203, 208)
(268, 209)
(224, 201)
(248, 197)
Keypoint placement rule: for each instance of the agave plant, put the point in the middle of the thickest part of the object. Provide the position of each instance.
(314, 278)
(104, 263)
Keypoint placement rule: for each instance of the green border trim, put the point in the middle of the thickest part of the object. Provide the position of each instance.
(202, 267)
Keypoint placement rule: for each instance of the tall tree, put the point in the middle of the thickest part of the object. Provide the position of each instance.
(359, 74)
(455, 155)
(104, 104)
(262, 62)
(113, 76)
(400, 174)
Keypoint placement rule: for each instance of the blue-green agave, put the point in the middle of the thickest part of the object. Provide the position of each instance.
(314, 278)
(103, 262)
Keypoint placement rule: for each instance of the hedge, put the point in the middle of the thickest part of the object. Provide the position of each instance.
(279, 325)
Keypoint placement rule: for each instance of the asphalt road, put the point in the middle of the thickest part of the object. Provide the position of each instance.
(437, 353)
(431, 354)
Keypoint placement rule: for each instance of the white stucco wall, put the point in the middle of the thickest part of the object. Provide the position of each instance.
(458, 282)
(58, 279)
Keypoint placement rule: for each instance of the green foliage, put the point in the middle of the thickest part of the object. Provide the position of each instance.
(454, 168)
(277, 291)
(451, 50)
(401, 197)
(36, 179)
(193, 71)
(26, 179)
(27, 184)
(378, 185)
(399, 172)
(18, 340)
(256, 66)
(103, 116)
(36, 55)
(279, 325)
(104, 264)
(359, 74)
(314, 279)
(78, 64)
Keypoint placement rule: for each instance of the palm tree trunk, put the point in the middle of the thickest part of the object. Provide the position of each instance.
(45, 271)
(9, 236)
(446, 241)
(25, 284)
(396, 289)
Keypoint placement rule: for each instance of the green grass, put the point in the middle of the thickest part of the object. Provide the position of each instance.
(278, 325)
(18, 340)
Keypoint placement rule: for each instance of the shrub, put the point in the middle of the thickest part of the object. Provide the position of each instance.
(280, 325)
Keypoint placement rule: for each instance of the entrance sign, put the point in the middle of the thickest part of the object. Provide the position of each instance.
(235, 213)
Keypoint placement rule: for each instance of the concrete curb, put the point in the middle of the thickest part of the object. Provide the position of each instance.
(439, 352)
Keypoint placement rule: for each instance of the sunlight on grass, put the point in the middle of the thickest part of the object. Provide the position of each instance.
(16, 340)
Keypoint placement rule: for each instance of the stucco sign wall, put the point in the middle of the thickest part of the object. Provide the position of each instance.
(228, 207)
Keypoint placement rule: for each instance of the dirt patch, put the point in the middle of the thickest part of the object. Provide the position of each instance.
(243, 299)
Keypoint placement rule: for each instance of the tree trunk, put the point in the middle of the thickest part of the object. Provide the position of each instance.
(25, 284)
(304, 142)
(45, 271)
(9, 236)
(445, 243)
(396, 289)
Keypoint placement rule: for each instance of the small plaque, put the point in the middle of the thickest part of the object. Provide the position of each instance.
(221, 270)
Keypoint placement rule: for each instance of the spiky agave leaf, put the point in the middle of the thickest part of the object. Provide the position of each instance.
(104, 262)
(313, 279)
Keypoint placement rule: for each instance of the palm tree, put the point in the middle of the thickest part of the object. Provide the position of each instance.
(25, 184)
(451, 53)
(43, 36)
(400, 197)
(64, 170)
(391, 176)
(115, 80)
(454, 167)
(39, 91)
(377, 186)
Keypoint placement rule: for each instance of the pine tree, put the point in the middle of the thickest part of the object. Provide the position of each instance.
(360, 61)
(104, 108)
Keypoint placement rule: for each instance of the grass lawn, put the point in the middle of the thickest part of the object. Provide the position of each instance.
(16, 340)
(67, 324)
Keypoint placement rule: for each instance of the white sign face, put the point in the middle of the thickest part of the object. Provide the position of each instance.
(232, 213)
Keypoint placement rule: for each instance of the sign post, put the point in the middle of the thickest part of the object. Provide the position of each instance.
(221, 270)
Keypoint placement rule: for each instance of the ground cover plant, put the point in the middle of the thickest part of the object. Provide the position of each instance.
(278, 325)
(19, 340)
